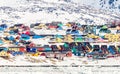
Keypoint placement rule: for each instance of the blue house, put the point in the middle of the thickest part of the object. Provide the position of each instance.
(1, 29)
(25, 37)
(33, 50)
(3, 26)
(37, 36)
(11, 38)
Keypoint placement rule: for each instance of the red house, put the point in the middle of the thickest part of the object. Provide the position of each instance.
(22, 49)
(52, 26)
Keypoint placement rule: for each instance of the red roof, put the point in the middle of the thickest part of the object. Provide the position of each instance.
(52, 26)
(27, 33)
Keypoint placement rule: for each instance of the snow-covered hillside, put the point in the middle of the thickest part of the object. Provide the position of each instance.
(110, 5)
(31, 11)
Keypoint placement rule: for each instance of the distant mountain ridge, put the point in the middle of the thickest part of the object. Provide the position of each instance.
(111, 5)
(29, 11)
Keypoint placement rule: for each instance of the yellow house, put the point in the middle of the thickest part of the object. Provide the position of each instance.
(13, 48)
(112, 37)
(69, 25)
(3, 53)
(42, 26)
(59, 40)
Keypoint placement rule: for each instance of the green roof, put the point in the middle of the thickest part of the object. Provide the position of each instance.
(104, 27)
(60, 24)
(66, 45)
(78, 39)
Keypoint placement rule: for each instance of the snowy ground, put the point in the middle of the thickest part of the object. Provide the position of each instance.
(61, 70)
(76, 65)
(68, 61)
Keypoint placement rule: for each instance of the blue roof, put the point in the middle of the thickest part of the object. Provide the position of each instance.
(25, 37)
(1, 29)
(1, 42)
(37, 36)
(79, 36)
(11, 38)
(59, 36)
(3, 25)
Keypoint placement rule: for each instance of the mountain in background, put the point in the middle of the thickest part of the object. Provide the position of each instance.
(111, 5)
(83, 11)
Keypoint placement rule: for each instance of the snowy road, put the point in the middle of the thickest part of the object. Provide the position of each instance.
(68, 61)
(71, 65)
(61, 70)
